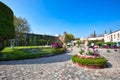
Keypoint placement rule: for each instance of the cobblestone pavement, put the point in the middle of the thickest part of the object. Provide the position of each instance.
(60, 67)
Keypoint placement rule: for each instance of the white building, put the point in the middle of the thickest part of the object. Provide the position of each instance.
(92, 39)
(96, 38)
(113, 37)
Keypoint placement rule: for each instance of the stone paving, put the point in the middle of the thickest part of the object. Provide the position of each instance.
(60, 67)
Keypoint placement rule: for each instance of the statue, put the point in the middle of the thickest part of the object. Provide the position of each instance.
(86, 47)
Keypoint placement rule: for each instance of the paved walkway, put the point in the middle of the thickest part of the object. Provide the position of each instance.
(59, 67)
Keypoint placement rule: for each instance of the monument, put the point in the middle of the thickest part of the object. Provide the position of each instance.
(86, 49)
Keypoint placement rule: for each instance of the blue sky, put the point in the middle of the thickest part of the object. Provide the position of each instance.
(79, 17)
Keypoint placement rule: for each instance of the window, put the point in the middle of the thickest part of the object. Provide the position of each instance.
(114, 36)
(118, 35)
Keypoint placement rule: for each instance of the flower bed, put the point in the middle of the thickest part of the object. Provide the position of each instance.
(57, 48)
(95, 63)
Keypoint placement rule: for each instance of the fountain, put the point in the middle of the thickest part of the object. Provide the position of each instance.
(89, 59)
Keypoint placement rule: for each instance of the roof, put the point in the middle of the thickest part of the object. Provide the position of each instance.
(115, 31)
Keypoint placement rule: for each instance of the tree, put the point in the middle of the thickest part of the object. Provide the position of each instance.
(71, 36)
(7, 29)
(77, 39)
(94, 35)
(42, 42)
(110, 31)
(68, 38)
(78, 42)
(105, 32)
(21, 26)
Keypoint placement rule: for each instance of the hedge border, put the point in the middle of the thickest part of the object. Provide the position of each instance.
(7, 28)
(96, 63)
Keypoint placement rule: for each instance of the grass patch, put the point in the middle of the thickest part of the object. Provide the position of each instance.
(27, 52)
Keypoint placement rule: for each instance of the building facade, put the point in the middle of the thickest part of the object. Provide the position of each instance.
(113, 37)
(30, 39)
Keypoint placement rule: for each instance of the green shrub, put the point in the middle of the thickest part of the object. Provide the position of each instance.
(58, 50)
(110, 44)
(90, 53)
(100, 44)
(81, 52)
(7, 29)
(88, 61)
(25, 53)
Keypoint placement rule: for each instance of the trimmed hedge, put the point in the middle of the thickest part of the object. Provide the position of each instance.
(58, 50)
(7, 29)
(97, 61)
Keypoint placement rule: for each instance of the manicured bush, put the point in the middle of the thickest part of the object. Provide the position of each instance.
(58, 50)
(100, 44)
(28, 52)
(94, 61)
(81, 52)
(7, 29)
(110, 44)
(90, 53)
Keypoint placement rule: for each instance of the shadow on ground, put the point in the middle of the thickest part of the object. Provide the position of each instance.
(109, 65)
(52, 59)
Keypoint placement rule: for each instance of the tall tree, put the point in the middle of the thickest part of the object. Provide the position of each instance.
(71, 36)
(94, 34)
(110, 31)
(105, 32)
(68, 38)
(21, 26)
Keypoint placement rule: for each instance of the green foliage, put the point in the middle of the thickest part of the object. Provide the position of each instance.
(110, 44)
(27, 52)
(90, 53)
(96, 61)
(110, 31)
(81, 52)
(94, 34)
(7, 29)
(21, 25)
(77, 39)
(99, 43)
(58, 50)
(71, 37)
(42, 42)
(78, 42)
(68, 38)
(95, 42)
(105, 32)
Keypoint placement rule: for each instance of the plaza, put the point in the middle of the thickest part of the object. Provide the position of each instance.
(60, 67)
(60, 42)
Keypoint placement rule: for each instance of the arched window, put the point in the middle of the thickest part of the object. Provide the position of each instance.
(114, 36)
(118, 35)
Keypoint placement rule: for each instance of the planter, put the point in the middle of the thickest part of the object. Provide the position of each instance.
(90, 66)
(93, 63)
